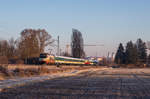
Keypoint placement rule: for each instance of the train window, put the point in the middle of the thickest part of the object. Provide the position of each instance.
(43, 55)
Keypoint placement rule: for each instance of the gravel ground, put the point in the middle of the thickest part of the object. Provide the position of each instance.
(118, 83)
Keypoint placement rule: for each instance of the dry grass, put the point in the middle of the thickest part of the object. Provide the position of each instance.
(4, 72)
(32, 70)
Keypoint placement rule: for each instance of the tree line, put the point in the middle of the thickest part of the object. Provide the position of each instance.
(31, 43)
(133, 53)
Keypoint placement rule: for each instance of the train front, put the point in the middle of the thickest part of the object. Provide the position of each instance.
(46, 58)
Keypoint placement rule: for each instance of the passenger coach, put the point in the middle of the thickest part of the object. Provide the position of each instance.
(46, 58)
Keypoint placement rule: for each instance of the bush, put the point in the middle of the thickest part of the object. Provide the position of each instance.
(43, 69)
(3, 60)
(4, 71)
(20, 61)
(30, 71)
(19, 72)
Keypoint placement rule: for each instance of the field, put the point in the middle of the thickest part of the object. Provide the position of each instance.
(11, 71)
(96, 83)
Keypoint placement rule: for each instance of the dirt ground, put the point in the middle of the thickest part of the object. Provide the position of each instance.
(108, 83)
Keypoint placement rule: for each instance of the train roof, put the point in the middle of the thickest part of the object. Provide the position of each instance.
(70, 58)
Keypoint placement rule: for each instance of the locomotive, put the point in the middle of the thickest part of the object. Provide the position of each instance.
(46, 58)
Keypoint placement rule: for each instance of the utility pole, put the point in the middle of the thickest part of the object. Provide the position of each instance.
(108, 59)
(58, 46)
(50, 51)
(60, 52)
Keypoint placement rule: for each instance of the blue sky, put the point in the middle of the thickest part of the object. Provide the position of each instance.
(107, 22)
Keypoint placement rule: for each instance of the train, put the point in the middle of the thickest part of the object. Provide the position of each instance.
(50, 59)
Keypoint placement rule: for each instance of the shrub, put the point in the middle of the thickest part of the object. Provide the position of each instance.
(19, 72)
(20, 61)
(4, 71)
(43, 69)
(3, 60)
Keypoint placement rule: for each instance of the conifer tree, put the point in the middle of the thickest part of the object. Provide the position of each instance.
(120, 55)
(142, 53)
(131, 53)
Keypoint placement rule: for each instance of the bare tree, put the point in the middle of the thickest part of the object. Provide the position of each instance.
(77, 44)
(33, 42)
(4, 46)
(12, 48)
(44, 39)
(7, 50)
(28, 44)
